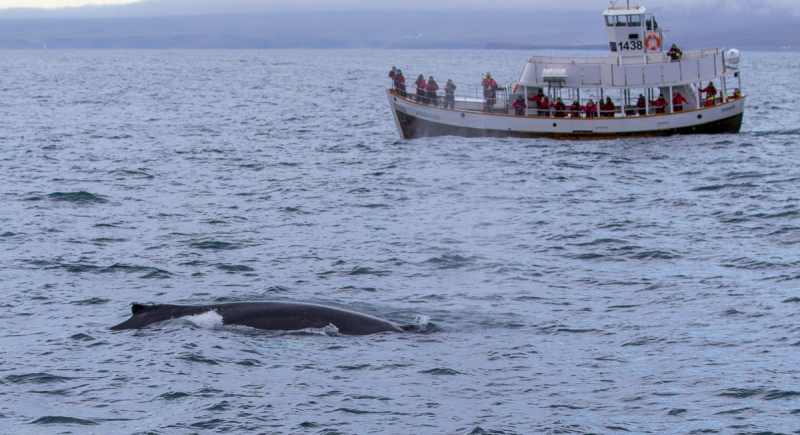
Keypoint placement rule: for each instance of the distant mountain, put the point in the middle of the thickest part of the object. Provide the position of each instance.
(527, 30)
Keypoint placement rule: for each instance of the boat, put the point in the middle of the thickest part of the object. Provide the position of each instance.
(640, 67)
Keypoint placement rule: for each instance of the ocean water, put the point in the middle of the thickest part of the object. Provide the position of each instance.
(628, 286)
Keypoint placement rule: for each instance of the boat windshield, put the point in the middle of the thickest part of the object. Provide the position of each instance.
(635, 20)
(622, 21)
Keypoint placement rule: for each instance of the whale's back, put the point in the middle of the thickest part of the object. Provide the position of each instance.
(282, 316)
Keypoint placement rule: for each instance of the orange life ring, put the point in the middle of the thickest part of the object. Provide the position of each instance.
(515, 88)
(651, 37)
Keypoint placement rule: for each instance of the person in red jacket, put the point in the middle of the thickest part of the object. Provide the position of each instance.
(576, 109)
(608, 108)
(431, 89)
(400, 83)
(677, 101)
(520, 106)
(489, 92)
(559, 109)
(737, 94)
(544, 106)
(538, 100)
(590, 109)
(421, 84)
(660, 104)
(675, 53)
(711, 94)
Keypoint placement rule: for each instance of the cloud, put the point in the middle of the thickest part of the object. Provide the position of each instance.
(526, 11)
(55, 4)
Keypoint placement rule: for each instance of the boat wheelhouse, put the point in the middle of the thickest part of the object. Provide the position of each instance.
(640, 71)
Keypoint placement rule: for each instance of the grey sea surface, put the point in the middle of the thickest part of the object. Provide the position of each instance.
(627, 286)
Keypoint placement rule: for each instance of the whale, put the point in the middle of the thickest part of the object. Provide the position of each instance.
(273, 316)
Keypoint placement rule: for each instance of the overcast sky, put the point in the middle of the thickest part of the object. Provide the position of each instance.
(194, 7)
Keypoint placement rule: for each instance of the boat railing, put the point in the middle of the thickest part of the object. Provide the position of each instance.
(469, 97)
(467, 94)
(645, 59)
(618, 111)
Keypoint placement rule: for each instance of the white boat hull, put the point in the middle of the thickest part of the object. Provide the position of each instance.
(415, 120)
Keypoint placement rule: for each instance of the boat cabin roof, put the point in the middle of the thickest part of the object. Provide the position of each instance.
(625, 72)
(636, 10)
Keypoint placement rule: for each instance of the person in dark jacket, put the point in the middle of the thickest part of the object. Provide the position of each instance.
(450, 94)
(392, 73)
(520, 106)
(641, 103)
(430, 88)
(421, 84)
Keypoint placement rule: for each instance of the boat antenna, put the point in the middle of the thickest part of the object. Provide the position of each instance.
(629, 4)
(613, 3)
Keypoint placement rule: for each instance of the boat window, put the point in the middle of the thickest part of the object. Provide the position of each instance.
(622, 21)
(609, 21)
(635, 20)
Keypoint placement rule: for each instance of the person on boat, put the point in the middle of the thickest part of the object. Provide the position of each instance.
(489, 91)
(559, 109)
(450, 94)
(576, 109)
(431, 89)
(711, 94)
(520, 106)
(675, 53)
(737, 94)
(677, 101)
(641, 103)
(590, 109)
(652, 24)
(400, 83)
(608, 108)
(421, 83)
(544, 106)
(393, 72)
(660, 104)
(538, 100)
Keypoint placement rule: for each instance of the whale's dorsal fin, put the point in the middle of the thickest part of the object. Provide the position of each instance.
(140, 308)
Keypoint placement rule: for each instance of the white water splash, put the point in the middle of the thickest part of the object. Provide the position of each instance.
(421, 322)
(331, 330)
(209, 320)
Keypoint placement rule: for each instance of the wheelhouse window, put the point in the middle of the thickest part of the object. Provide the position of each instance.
(609, 21)
(622, 21)
(635, 20)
